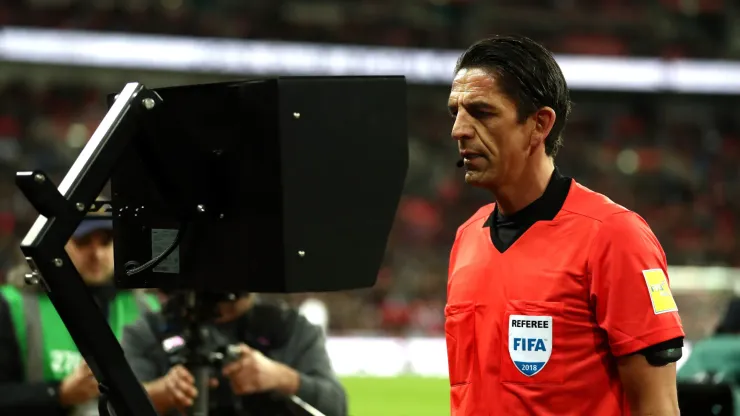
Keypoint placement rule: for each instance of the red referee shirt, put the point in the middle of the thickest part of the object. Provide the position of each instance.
(534, 329)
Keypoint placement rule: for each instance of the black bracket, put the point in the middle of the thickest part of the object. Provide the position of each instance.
(62, 209)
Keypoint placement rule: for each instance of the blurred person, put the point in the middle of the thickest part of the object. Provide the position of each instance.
(715, 361)
(41, 371)
(280, 354)
(717, 357)
(558, 300)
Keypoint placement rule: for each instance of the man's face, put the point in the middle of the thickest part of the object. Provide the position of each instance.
(230, 310)
(92, 255)
(494, 145)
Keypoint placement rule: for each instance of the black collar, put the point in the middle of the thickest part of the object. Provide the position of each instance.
(544, 208)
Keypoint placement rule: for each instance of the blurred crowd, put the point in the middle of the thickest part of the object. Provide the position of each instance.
(669, 28)
(671, 158)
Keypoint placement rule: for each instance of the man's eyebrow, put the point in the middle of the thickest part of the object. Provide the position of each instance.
(471, 106)
(479, 106)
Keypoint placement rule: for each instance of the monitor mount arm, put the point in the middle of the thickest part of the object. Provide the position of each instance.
(61, 211)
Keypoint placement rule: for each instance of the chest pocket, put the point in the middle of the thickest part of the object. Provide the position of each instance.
(534, 332)
(460, 335)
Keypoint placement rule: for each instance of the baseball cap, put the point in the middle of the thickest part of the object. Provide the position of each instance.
(90, 225)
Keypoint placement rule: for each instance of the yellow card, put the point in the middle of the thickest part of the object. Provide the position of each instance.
(660, 293)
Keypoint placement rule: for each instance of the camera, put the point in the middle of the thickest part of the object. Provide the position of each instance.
(191, 339)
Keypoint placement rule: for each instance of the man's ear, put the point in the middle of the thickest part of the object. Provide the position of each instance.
(544, 120)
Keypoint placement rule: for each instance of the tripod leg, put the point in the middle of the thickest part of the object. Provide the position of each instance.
(103, 409)
(202, 375)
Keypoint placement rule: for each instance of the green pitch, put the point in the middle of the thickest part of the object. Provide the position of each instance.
(397, 396)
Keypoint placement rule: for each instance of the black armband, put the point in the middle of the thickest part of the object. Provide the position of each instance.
(664, 353)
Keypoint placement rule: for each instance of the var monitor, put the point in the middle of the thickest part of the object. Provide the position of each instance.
(288, 184)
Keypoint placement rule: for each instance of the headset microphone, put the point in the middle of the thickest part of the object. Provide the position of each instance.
(460, 163)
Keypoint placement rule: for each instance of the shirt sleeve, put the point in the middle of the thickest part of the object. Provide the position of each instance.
(629, 286)
(139, 344)
(319, 385)
(19, 397)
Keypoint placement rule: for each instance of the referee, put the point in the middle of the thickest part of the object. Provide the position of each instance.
(558, 300)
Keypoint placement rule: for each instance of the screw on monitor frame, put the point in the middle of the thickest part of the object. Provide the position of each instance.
(31, 279)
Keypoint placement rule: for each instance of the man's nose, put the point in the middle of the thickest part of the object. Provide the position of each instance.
(99, 251)
(462, 129)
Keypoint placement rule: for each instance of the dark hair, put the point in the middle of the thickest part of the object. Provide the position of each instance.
(528, 74)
